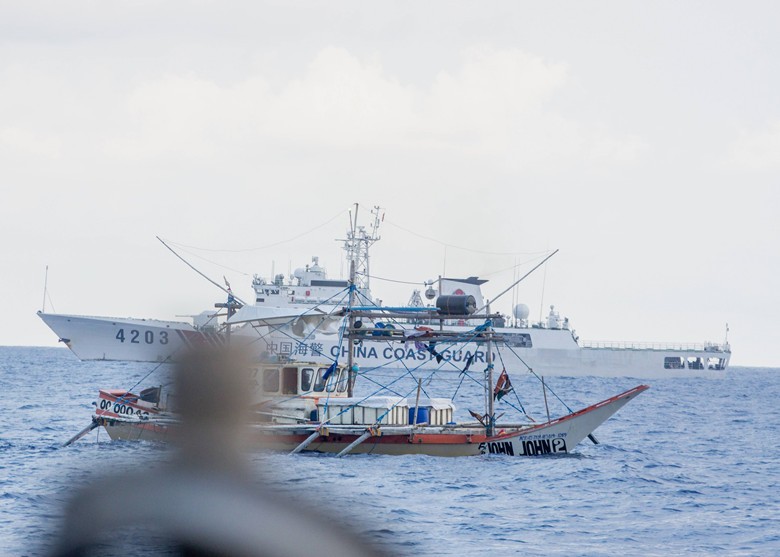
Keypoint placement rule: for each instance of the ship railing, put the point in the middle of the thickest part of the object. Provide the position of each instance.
(629, 345)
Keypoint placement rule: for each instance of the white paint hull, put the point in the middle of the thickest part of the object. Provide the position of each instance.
(124, 339)
(554, 352)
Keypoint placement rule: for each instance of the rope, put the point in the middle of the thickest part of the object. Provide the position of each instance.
(339, 214)
(501, 358)
(462, 248)
(546, 386)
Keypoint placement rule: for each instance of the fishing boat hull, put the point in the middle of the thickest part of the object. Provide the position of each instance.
(559, 436)
(127, 416)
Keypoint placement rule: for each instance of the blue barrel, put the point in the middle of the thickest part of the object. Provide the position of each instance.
(422, 415)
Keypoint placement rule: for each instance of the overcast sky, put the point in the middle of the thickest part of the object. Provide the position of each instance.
(642, 139)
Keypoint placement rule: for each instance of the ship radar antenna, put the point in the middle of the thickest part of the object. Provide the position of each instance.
(358, 244)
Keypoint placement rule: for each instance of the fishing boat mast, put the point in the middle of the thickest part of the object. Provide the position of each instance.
(489, 379)
(350, 327)
(357, 245)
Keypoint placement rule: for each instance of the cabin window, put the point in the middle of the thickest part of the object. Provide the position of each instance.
(716, 363)
(695, 363)
(290, 381)
(673, 363)
(319, 384)
(271, 380)
(343, 380)
(333, 380)
(520, 340)
(307, 374)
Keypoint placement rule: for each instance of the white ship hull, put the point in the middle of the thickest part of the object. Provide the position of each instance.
(549, 352)
(125, 339)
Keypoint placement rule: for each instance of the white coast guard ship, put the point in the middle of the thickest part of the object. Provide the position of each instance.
(294, 320)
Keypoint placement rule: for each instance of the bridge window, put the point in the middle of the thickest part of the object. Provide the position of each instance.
(333, 380)
(674, 363)
(519, 340)
(716, 363)
(307, 374)
(290, 381)
(343, 380)
(695, 363)
(271, 380)
(319, 384)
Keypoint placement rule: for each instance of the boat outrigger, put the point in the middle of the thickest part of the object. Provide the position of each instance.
(308, 402)
(305, 406)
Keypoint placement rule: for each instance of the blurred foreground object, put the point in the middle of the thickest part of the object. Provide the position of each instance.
(203, 502)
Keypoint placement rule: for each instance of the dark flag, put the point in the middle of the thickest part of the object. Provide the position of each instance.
(468, 363)
(479, 417)
(503, 386)
(329, 371)
(432, 349)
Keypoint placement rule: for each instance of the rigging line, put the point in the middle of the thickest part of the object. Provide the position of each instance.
(519, 410)
(45, 289)
(383, 388)
(518, 281)
(210, 261)
(410, 371)
(225, 290)
(462, 377)
(364, 375)
(389, 343)
(546, 386)
(513, 267)
(51, 303)
(379, 419)
(167, 360)
(406, 371)
(278, 328)
(374, 277)
(418, 283)
(479, 383)
(462, 248)
(503, 365)
(340, 213)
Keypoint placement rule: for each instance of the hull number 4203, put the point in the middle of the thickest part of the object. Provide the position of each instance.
(134, 336)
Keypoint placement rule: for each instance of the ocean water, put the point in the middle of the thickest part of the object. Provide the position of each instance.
(690, 467)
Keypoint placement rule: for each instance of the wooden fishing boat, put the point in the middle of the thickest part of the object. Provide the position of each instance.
(322, 419)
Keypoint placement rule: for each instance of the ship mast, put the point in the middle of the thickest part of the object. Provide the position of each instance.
(357, 245)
